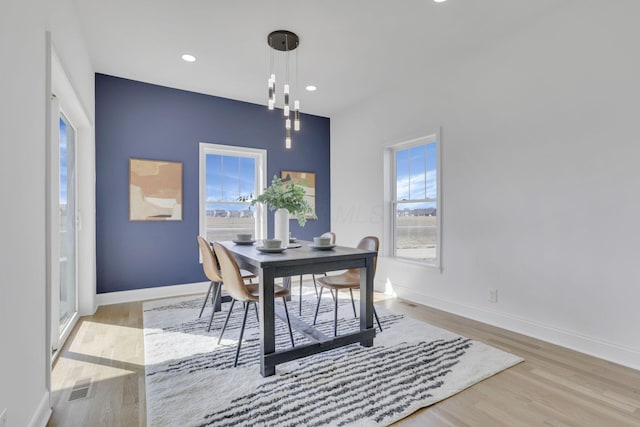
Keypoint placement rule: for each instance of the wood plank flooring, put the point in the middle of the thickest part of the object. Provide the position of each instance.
(553, 387)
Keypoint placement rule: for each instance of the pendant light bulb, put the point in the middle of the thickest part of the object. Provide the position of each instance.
(287, 124)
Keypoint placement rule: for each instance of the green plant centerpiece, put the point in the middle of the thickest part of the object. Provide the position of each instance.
(289, 196)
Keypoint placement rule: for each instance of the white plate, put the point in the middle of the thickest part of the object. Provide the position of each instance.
(270, 250)
(322, 247)
(244, 242)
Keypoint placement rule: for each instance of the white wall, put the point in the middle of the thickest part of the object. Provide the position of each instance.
(540, 179)
(22, 178)
(23, 361)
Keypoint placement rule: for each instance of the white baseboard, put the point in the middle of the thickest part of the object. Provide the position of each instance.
(565, 338)
(154, 293)
(43, 413)
(151, 293)
(575, 341)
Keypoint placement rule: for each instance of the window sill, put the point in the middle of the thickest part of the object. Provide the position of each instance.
(426, 264)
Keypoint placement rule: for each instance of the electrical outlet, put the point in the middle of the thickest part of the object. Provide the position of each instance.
(493, 295)
(3, 418)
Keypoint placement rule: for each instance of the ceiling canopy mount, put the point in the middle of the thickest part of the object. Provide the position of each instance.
(283, 40)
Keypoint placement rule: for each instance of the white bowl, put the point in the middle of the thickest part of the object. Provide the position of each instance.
(322, 241)
(272, 243)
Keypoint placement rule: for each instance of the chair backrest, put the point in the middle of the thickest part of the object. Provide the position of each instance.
(369, 243)
(209, 261)
(233, 282)
(331, 235)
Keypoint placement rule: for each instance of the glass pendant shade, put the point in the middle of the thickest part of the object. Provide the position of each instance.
(286, 100)
(296, 115)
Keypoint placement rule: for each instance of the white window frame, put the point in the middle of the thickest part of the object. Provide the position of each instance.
(260, 157)
(393, 202)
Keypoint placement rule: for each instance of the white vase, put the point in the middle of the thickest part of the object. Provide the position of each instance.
(281, 226)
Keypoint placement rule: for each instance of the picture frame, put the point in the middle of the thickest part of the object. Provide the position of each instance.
(155, 190)
(307, 180)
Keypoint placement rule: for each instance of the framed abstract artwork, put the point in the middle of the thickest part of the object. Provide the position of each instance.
(155, 190)
(306, 180)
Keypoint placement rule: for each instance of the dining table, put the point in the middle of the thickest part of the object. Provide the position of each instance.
(299, 258)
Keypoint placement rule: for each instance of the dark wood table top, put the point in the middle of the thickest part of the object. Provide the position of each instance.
(298, 257)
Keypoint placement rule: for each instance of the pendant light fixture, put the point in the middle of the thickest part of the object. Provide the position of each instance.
(284, 41)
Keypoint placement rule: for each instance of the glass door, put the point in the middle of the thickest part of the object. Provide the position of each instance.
(67, 220)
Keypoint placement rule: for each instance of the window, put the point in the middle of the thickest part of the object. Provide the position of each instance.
(229, 179)
(415, 200)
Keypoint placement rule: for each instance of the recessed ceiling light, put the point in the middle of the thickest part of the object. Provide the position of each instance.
(188, 58)
(439, 1)
(311, 88)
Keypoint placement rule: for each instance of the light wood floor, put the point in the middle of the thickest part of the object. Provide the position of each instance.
(553, 387)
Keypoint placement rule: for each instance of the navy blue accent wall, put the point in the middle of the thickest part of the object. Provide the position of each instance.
(142, 120)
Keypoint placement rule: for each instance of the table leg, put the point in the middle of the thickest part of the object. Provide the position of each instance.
(267, 321)
(217, 304)
(366, 300)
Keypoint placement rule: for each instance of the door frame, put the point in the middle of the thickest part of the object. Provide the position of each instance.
(67, 102)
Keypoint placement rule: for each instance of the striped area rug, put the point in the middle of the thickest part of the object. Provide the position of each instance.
(191, 381)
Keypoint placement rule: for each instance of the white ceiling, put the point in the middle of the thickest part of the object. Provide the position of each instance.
(348, 48)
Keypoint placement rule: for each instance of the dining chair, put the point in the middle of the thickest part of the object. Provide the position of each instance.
(245, 293)
(212, 271)
(350, 279)
(332, 236)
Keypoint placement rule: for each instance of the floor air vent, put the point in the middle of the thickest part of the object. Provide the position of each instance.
(81, 389)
